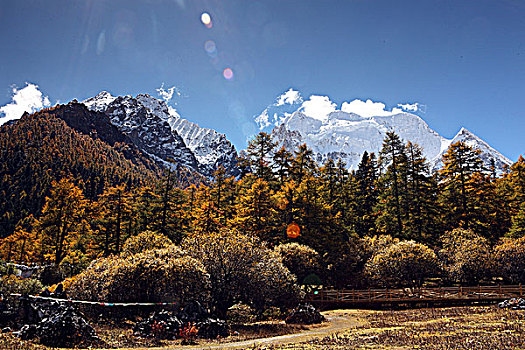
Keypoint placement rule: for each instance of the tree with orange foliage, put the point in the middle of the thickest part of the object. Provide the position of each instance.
(61, 219)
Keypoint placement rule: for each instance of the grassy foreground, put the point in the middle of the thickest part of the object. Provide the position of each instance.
(448, 328)
(481, 327)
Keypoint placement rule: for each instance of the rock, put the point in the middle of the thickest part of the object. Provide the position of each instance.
(193, 312)
(166, 325)
(7, 316)
(65, 328)
(162, 325)
(514, 304)
(212, 328)
(58, 325)
(27, 313)
(28, 331)
(305, 314)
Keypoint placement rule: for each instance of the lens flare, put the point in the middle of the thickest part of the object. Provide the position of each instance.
(228, 74)
(206, 19)
(210, 46)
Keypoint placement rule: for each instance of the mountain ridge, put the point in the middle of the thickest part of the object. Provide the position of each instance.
(182, 141)
(347, 135)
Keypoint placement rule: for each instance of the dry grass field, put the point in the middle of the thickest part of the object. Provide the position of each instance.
(447, 328)
(480, 327)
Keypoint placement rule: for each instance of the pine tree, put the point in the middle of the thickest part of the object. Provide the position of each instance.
(366, 194)
(260, 151)
(391, 205)
(282, 160)
(113, 212)
(460, 164)
(302, 163)
(518, 223)
(421, 197)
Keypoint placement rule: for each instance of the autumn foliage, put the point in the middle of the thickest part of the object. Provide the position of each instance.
(70, 198)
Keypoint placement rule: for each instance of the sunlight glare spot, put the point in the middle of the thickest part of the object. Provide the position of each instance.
(206, 19)
(228, 74)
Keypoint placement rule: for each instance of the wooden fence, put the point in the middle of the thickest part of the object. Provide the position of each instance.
(440, 295)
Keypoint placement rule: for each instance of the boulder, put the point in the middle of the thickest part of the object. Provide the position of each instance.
(162, 325)
(58, 325)
(212, 328)
(193, 312)
(305, 314)
(514, 304)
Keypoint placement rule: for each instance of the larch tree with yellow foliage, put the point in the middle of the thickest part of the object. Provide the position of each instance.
(61, 218)
(256, 212)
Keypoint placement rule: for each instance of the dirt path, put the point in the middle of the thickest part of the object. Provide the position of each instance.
(337, 320)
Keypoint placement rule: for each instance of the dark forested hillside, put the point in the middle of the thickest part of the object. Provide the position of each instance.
(40, 148)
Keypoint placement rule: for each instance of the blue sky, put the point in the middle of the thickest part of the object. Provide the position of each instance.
(464, 60)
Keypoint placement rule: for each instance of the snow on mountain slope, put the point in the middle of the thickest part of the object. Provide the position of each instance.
(160, 131)
(210, 147)
(488, 154)
(347, 135)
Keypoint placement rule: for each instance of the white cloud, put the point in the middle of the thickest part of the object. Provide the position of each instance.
(365, 109)
(167, 95)
(289, 97)
(28, 99)
(411, 107)
(318, 107)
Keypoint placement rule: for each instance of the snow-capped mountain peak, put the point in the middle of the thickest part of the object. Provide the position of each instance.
(159, 130)
(99, 102)
(488, 154)
(347, 135)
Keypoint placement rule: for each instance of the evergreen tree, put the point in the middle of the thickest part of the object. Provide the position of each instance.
(302, 163)
(260, 151)
(421, 197)
(366, 194)
(460, 164)
(391, 206)
(282, 160)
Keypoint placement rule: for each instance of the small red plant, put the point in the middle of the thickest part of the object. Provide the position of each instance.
(188, 333)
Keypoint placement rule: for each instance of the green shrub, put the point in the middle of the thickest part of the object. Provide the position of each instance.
(74, 263)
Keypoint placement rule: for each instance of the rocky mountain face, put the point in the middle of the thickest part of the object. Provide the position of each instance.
(158, 130)
(347, 135)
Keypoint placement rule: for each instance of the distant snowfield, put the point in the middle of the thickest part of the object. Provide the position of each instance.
(361, 126)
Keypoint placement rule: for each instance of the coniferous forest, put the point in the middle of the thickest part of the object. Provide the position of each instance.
(69, 198)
